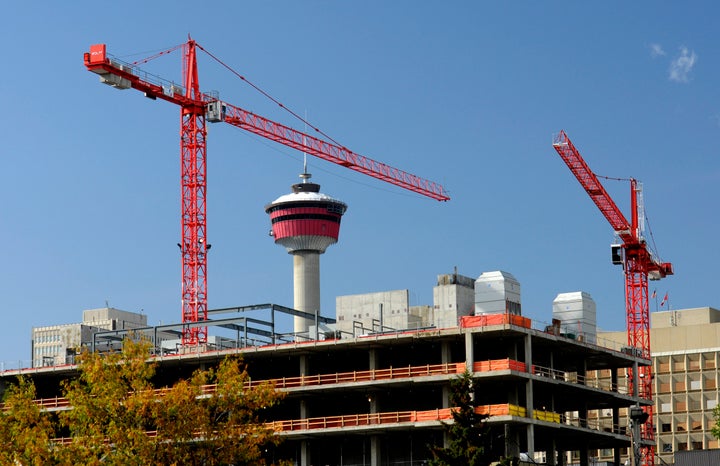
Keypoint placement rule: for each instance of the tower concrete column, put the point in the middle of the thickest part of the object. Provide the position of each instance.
(306, 293)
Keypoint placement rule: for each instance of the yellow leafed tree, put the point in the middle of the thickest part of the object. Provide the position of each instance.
(117, 417)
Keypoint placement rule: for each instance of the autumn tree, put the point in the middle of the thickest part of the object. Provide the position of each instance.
(25, 431)
(117, 417)
(225, 428)
(112, 403)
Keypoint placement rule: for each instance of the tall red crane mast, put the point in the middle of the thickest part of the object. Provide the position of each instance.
(197, 108)
(639, 266)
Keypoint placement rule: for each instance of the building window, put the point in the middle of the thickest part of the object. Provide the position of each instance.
(682, 446)
(710, 382)
(666, 427)
(709, 361)
(667, 448)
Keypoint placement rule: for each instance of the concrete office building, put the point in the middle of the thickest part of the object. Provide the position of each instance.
(454, 296)
(58, 344)
(685, 348)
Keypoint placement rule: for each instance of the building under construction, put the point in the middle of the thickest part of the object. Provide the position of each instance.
(376, 391)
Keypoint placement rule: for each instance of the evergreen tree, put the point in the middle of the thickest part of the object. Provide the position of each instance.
(468, 435)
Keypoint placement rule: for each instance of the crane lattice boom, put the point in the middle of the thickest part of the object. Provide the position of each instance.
(197, 108)
(639, 265)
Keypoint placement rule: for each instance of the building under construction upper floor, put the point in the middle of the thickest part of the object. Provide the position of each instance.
(378, 391)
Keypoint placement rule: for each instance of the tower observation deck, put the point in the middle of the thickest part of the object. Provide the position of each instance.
(306, 222)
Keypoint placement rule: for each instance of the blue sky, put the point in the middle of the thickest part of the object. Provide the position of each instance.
(467, 94)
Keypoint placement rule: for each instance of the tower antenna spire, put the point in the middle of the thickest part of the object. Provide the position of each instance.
(305, 176)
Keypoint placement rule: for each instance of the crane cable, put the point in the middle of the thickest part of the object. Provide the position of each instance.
(280, 104)
(158, 54)
(647, 220)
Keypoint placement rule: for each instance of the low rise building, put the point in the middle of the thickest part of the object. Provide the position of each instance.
(59, 344)
(685, 349)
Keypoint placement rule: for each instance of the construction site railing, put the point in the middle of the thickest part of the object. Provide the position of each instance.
(435, 415)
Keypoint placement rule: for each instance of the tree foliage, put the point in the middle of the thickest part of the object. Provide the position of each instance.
(25, 431)
(468, 436)
(716, 428)
(118, 418)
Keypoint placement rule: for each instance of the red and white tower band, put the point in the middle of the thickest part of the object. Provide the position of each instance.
(306, 222)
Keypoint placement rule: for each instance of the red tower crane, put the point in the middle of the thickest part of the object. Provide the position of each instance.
(639, 264)
(197, 108)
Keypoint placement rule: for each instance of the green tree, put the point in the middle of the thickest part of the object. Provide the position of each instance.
(468, 435)
(716, 428)
(25, 431)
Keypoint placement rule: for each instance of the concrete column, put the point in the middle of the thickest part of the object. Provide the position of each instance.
(583, 413)
(512, 441)
(529, 397)
(375, 450)
(445, 357)
(551, 454)
(304, 414)
(306, 280)
(584, 456)
(374, 439)
(469, 351)
(373, 363)
(304, 453)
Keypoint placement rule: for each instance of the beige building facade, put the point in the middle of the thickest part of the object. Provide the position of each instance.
(685, 348)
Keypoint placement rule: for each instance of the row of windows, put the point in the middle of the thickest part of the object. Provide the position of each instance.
(48, 350)
(680, 364)
(683, 386)
(681, 406)
(47, 338)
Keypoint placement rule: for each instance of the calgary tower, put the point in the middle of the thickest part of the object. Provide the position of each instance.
(306, 222)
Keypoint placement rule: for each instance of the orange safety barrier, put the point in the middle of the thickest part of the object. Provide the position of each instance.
(359, 420)
(499, 365)
(494, 319)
